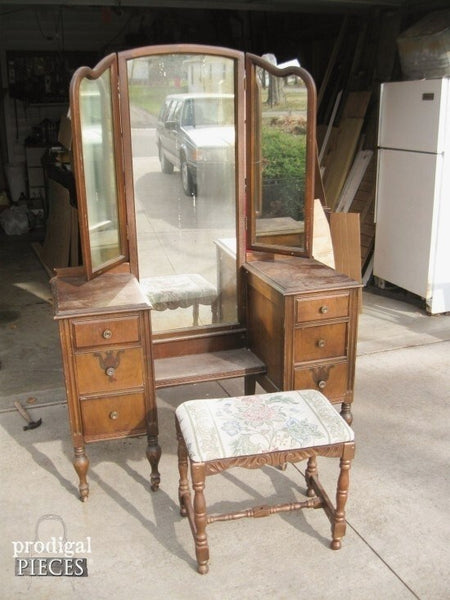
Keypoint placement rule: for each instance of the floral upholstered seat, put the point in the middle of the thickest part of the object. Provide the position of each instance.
(273, 429)
(249, 425)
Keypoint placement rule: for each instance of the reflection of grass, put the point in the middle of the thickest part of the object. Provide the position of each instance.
(293, 98)
(150, 98)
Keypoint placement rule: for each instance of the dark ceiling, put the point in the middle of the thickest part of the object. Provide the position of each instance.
(308, 6)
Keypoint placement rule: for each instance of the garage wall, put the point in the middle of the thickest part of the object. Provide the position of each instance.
(41, 30)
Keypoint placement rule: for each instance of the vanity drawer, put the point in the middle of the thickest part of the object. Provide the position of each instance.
(109, 370)
(322, 307)
(98, 332)
(113, 416)
(330, 379)
(320, 342)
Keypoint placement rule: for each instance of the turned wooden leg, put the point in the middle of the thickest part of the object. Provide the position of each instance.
(346, 412)
(183, 486)
(195, 314)
(338, 524)
(153, 454)
(311, 470)
(215, 312)
(201, 540)
(81, 464)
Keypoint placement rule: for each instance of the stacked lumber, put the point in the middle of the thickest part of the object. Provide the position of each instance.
(344, 141)
(347, 134)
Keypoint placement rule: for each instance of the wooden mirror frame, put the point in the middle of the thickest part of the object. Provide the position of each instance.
(254, 146)
(214, 336)
(108, 63)
(209, 337)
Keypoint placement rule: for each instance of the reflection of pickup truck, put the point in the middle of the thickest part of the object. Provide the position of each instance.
(194, 133)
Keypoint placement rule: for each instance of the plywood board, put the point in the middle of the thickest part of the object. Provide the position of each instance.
(342, 159)
(345, 235)
(356, 105)
(322, 246)
(353, 180)
(364, 204)
(56, 246)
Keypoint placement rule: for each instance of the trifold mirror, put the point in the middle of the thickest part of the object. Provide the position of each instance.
(188, 160)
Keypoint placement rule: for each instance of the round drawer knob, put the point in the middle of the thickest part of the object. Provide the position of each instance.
(110, 371)
(113, 415)
(107, 334)
(321, 343)
(323, 309)
(322, 384)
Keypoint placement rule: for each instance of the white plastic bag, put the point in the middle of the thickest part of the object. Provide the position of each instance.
(14, 220)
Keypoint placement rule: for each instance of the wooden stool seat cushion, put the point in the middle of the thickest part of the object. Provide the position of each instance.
(229, 427)
(178, 291)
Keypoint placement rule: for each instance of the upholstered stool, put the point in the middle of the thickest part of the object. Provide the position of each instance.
(180, 291)
(254, 431)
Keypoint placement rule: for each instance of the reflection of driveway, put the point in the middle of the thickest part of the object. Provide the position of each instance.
(141, 118)
(162, 198)
(175, 233)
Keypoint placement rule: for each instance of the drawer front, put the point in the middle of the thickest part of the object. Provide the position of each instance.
(109, 370)
(331, 380)
(99, 332)
(320, 342)
(113, 416)
(322, 307)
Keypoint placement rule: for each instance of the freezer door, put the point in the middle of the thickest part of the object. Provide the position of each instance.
(406, 219)
(413, 115)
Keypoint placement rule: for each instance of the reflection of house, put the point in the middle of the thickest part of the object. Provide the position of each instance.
(203, 73)
(292, 79)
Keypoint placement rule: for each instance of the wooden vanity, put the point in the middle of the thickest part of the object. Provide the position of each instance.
(280, 318)
(302, 322)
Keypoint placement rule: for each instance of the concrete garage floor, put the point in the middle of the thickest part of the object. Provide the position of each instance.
(397, 542)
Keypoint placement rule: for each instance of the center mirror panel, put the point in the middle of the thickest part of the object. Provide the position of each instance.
(183, 128)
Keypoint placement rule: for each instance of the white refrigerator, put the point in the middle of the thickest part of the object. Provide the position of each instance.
(412, 213)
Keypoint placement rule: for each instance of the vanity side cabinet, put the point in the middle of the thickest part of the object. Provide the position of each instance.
(302, 322)
(105, 335)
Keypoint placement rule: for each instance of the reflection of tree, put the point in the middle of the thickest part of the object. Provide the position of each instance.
(275, 93)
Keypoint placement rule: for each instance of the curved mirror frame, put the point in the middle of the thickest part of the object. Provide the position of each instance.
(281, 134)
(183, 118)
(98, 166)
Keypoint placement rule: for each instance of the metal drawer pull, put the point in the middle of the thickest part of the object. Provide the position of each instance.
(322, 384)
(321, 343)
(110, 371)
(107, 334)
(323, 309)
(113, 415)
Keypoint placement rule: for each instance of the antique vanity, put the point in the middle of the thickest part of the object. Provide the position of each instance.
(194, 168)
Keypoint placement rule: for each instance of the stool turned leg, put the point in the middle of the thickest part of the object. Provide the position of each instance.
(249, 385)
(201, 540)
(183, 486)
(338, 524)
(195, 313)
(214, 312)
(346, 412)
(311, 470)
